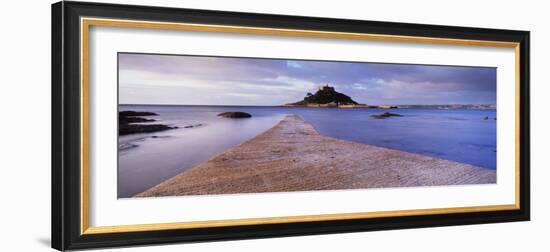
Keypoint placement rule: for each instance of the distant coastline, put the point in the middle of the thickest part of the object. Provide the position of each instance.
(414, 106)
(451, 106)
(408, 106)
(327, 97)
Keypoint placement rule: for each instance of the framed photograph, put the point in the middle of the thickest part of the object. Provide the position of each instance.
(180, 125)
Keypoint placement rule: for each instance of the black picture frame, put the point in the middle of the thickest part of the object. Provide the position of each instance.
(66, 124)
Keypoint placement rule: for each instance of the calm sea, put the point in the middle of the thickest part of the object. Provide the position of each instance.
(148, 159)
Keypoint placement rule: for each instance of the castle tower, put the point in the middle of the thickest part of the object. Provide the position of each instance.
(326, 87)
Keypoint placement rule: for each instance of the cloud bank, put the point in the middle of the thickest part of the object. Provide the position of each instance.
(199, 80)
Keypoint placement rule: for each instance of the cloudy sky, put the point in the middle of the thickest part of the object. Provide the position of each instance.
(196, 80)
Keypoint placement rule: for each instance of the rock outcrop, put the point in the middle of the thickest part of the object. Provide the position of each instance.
(235, 114)
(385, 115)
(128, 113)
(326, 96)
(128, 123)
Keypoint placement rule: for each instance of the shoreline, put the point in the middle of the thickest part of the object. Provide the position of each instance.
(293, 156)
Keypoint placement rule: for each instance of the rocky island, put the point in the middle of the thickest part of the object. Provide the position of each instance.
(235, 114)
(326, 97)
(385, 115)
(128, 123)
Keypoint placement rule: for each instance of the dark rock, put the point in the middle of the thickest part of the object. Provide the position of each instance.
(385, 115)
(126, 129)
(486, 118)
(192, 126)
(128, 123)
(155, 137)
(235, 114)
(126, 146)
(135, 119)
(125, 117)
(325, 95)
(135, 113)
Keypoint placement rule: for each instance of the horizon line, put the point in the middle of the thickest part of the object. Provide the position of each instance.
(282, 105)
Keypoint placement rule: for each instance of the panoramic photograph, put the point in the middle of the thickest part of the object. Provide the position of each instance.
(207, 125)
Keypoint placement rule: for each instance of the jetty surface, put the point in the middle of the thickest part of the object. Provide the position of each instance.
(293, 156)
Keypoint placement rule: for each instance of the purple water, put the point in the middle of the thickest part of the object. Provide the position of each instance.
(148, 159)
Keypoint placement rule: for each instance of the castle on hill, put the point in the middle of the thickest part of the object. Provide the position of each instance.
(326, 88)
(326, 96)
